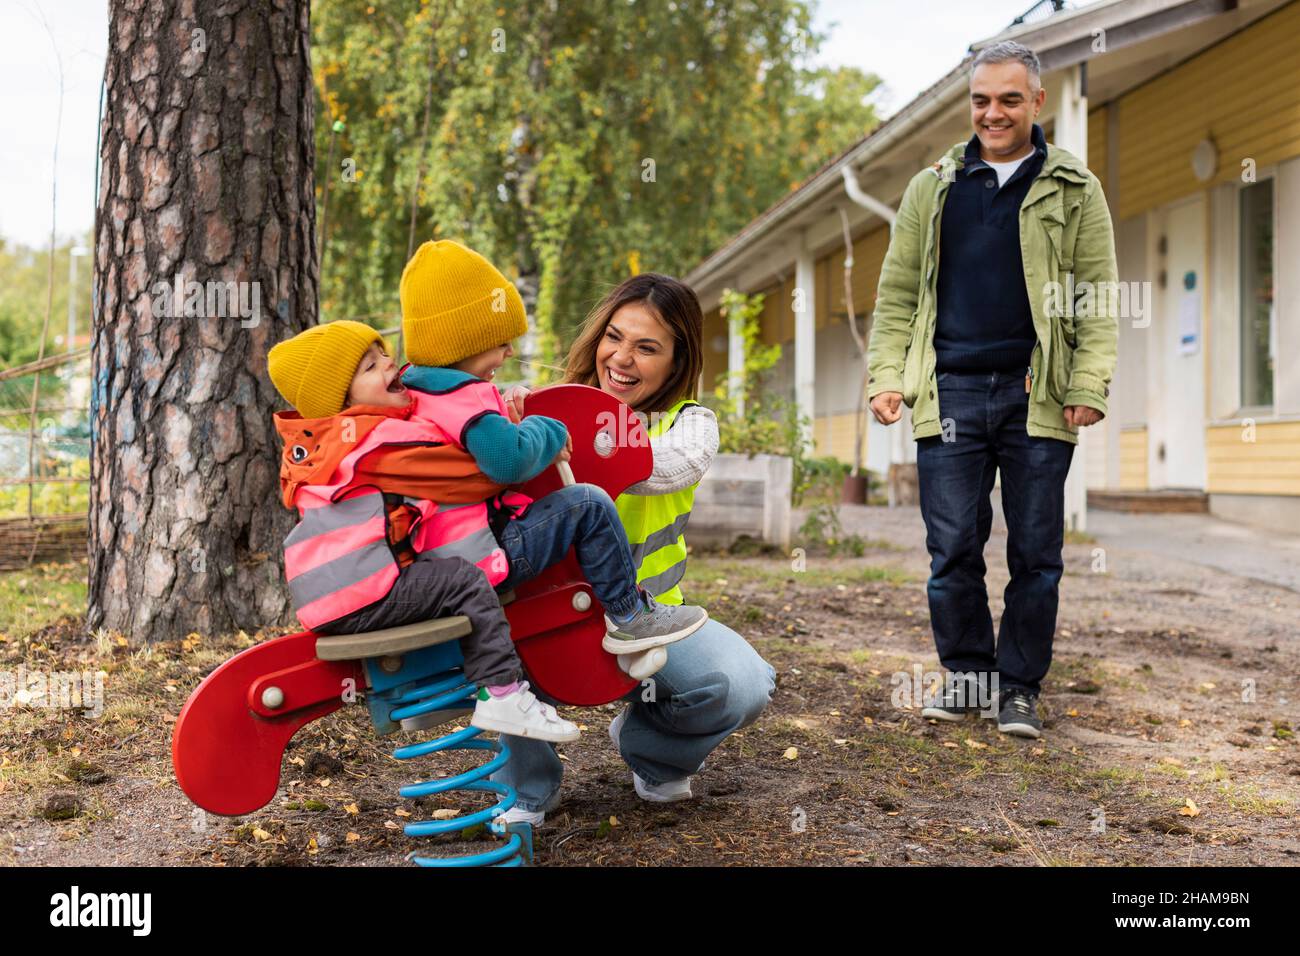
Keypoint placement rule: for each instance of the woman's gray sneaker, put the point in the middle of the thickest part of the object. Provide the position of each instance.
(1018, 714)
(654, 625)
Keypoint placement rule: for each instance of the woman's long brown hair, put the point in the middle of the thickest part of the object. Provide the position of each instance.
(676, 306)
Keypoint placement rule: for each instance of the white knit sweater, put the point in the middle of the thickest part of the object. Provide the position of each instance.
(682, 454)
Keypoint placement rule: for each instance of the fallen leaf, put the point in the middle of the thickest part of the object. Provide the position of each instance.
(445, 813)
(791, 753)
(352, 837)
(259, 834)
(976, 744)
(1189, 809)
(353, 809)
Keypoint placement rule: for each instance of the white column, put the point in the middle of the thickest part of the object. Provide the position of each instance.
(735, 357)
(1072, 134)
(805, 335)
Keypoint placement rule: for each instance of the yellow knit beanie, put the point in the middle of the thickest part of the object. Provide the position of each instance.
(456, 304)
(313, 369)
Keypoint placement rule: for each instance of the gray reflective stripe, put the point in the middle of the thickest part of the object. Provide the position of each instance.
(323, 520)
(665, 580)
(473, 548)
(660, 539)
(342, 572)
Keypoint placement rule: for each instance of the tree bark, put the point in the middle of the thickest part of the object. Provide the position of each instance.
(207, 174)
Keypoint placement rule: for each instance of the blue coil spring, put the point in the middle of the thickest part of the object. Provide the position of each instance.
(447, 691)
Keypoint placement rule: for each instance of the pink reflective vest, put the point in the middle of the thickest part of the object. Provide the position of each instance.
(337, 558)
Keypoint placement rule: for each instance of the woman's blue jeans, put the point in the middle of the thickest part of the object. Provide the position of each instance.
(713, 684)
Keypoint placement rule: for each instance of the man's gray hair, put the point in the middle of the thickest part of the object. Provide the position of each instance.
(1009, 51)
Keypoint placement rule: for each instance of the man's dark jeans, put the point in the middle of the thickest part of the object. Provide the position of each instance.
(983, 417)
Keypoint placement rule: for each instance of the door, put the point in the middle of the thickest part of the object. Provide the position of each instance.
(1177, 355)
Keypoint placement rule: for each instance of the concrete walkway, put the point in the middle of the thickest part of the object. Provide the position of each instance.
(1237, 549)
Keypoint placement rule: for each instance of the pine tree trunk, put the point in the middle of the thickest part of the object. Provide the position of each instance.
(207, 173)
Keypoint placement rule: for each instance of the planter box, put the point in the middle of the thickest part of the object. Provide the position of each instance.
(743, 495)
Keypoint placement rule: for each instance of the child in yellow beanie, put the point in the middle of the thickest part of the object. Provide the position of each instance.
(373, 549)
(459, 315)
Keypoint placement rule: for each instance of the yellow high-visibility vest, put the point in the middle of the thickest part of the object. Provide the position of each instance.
(655, 526)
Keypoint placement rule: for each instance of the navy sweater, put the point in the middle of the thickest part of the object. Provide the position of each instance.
(984, 323)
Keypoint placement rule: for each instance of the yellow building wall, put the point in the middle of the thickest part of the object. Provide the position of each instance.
(822, 276)
(715, 361)
(1269, 465)
(1241, 93)
(868, 255)
(1133, 459)
(833, 437)
(777, 320)
(1098, 147)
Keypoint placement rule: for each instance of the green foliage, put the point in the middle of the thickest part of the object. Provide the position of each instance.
(571, 143)
(24, 275)
(822, 530)
(752, 418)
(756, 419)
(55, 498)
(820, 480)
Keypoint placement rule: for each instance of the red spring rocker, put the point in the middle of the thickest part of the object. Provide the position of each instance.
(229, 740)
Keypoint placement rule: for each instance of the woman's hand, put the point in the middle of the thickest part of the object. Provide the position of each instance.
(514, 399)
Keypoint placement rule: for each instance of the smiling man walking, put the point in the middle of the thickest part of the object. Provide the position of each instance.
(971, 332)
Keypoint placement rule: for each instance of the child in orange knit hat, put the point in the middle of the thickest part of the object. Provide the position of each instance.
(373, 549)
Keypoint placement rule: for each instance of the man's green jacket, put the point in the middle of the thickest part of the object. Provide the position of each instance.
(1065, 228)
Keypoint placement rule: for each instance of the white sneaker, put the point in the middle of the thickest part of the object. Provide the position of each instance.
(521, 714)
(669, 792)
(534, 818)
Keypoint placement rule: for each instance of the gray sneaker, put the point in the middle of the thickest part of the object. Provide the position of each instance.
(1019, 714)
(654, 625)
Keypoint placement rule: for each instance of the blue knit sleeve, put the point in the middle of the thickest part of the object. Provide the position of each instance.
(510, 453)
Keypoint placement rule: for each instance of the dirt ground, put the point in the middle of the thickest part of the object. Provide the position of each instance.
(1169, 713)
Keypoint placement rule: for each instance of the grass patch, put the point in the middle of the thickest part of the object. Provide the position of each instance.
(40, 595)
(705, 571)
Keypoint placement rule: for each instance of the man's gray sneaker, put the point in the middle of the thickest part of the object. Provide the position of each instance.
(952, 704)
(957, 699)
(1018, 714)
(654, 625)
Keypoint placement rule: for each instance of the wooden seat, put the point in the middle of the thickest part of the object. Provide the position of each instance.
(396, 640)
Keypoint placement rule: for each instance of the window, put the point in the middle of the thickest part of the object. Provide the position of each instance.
(1257, 318)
